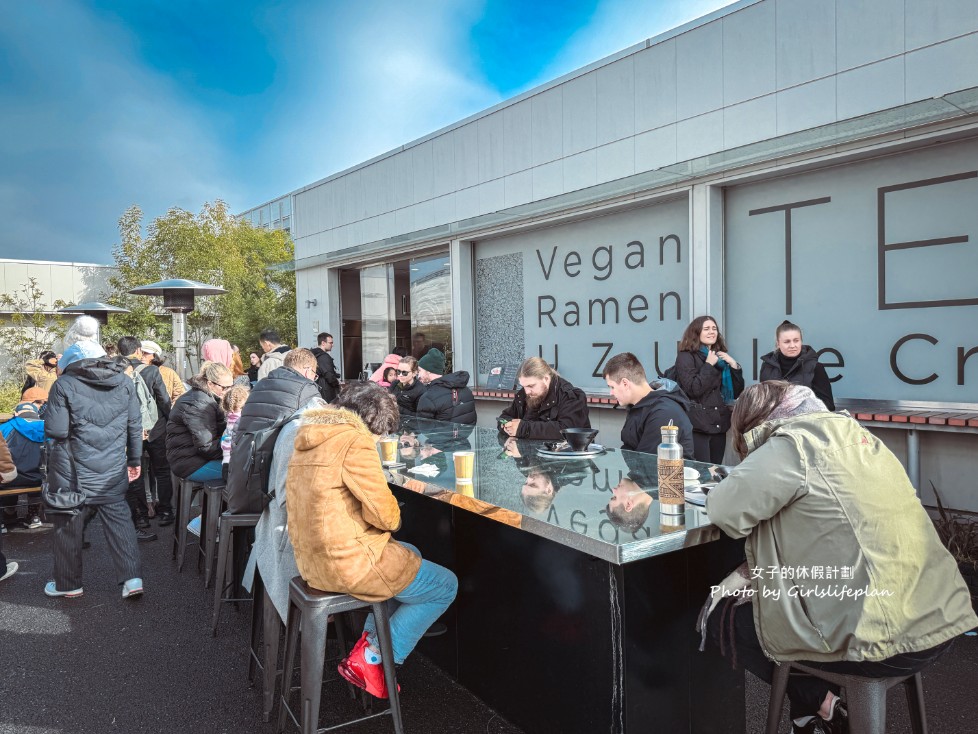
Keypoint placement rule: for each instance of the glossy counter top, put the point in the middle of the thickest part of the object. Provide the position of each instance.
(606, 505)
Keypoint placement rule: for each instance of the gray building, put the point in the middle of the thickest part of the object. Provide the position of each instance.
(800, 159)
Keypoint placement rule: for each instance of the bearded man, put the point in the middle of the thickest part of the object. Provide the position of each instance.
(545, 404)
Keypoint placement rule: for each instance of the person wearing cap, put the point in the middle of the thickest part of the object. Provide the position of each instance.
(42, 372)
(94, 429)
(448, 397)
(155, 442)
(24, 434)
(152, 354)
(34, 395)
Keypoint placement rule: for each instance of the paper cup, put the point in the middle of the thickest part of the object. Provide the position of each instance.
(388, 450)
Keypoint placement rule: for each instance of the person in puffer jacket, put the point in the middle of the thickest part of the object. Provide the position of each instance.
(448, 397)
(196, 424)
(94, 432)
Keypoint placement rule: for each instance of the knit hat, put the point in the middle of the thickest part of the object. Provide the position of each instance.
(80, 350)
(34, 393)
(26, 408)
(798, 400)
(433, 361)
(85, 328)
(150, 347)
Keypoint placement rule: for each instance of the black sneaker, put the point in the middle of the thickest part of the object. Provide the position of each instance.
(142, 522)
(165, 518)
(838, 724)
(145, 536)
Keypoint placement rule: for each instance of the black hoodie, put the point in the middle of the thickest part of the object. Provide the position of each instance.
(564, 406)
(93, 417)
(643, 424)
(448, 399)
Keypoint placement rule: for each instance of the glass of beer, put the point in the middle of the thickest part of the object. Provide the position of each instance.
(464, 464)
(465, 486)
(388, 450)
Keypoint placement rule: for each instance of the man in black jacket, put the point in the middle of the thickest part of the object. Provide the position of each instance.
(448, 397)
(273, 400)
(154, 443)
(93, 421)
(327, 380)
(648, 408)
(546, 404)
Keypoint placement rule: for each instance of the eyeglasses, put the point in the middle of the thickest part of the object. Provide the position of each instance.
(218, 384)
(404, 373)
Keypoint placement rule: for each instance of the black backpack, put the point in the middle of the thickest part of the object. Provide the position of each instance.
(250, 467)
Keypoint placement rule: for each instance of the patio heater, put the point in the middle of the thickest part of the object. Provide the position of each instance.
(178, 298)
(97, 310)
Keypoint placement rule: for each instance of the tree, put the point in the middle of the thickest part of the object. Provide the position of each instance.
(31, 328)
(214, 248)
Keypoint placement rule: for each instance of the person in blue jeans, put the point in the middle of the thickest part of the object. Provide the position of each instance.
(341, 515)
(196, 424)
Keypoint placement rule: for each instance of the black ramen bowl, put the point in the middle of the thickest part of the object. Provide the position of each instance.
(579, 438)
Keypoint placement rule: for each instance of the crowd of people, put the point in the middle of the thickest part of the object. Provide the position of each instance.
(812, 487)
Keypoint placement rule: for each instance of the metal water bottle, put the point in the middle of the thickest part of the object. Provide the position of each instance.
(672, 500)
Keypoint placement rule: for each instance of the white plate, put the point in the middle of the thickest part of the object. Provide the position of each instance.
(695, 496)
(691, 474)
(593, 450)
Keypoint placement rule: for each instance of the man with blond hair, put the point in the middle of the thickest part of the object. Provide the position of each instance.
(545, 404)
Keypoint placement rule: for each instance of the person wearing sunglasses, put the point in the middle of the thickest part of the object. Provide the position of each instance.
(407, 388)
(196, 424)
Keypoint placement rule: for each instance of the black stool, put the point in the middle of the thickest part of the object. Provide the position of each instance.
(309, 610)
(185, 494)
(225, 562)
(213, 501)
(865, 698)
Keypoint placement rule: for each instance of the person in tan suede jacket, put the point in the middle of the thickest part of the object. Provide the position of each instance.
(341, 516)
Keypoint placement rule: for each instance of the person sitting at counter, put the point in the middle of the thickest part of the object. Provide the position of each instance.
(817, 492)
(408, 388)
(341, 515)
(545, 404)
(649, 407)
(448, 397)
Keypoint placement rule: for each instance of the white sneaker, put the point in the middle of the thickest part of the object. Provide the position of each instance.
(34, 522)
(132, 587)
(51, 590)
(11, 570)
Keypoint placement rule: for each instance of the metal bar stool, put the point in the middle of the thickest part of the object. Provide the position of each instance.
(865, 698)
(185, 494)
(309, 610)
(267, 626)
(225, 563)
(213, 499)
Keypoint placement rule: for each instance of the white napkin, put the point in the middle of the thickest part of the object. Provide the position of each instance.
(427, 470)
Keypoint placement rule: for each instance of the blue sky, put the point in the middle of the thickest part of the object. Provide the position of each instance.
(105, 104)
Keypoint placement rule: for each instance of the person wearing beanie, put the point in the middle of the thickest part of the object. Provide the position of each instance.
(34, 395)
(448, 397)
(864, 584)
(94, 430)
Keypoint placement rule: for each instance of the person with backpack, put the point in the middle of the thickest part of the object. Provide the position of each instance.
(448, 397)
(154, 404)
(272, 400)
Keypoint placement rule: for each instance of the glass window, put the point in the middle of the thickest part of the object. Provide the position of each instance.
(431, 306)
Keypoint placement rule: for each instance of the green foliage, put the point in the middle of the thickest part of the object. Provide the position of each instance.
(214, 248)
(31, 328)
(9, 396)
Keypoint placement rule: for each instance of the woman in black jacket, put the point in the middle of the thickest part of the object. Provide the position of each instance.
(796, 363)
(711, 378)
(193, 432)
(407, 388)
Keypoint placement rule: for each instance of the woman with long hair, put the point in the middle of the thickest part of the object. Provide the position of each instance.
(711, 379)
(844, 569)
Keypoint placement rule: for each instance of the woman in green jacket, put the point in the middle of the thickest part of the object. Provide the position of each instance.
(844, 567)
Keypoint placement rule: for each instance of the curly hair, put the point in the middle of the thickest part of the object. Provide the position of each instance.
(375, 406)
